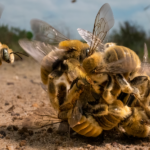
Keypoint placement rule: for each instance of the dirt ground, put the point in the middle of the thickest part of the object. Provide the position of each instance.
(21, 93)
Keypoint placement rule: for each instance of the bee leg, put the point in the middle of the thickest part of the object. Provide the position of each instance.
(97, 110)
(142, 83)
(107, 95)
(126, 87)
(52, 92)
(139, 80)
(54, 89)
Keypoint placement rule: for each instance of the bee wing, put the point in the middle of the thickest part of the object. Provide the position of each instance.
(88, 37)
(145, 57)
(76, 114)
(117, 67)
(104, 21)
(1, 9)
(46, 33)
(145, 66)
(36, 49)
(41, 117)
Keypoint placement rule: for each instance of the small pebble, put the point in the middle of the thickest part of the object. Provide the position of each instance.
(19, 97)
(9, 147)
(23, 130)
(3, 134)
(114, 144)
(30, 132)
(22, 143)
(10, 83)
(144, 144)
(7, 137)
(15, 114)
(10, 128)
(15, 128)
(6, 103)
(35, 105)
(49, 130)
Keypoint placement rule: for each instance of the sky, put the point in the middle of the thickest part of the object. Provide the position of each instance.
(67, 16)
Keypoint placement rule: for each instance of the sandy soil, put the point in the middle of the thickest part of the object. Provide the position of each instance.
(21, 93)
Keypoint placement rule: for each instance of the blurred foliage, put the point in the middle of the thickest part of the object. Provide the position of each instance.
(128, 34)
(131, 35)
(10, 36)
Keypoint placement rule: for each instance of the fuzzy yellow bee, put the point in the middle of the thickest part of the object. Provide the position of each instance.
(59, 64)
(6, 54)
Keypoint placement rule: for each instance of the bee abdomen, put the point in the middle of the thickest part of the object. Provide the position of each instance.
(107, 122)
(88, 127)
(115, 53)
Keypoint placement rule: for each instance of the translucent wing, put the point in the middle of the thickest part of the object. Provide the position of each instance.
(76, 114)
(117, 67)
(145, 57)
(41, 117)
(87, 36)
(46, 33)
(145, 66)
(36, 49)
(104, 21)
(1, 9)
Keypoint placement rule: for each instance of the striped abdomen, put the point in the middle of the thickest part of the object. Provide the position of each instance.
(88, 127)
(128, 61)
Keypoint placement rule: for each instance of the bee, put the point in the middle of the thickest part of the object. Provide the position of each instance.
(137, 124)
(109, 62)
(6, 54)
(60, 64)
(141, 82)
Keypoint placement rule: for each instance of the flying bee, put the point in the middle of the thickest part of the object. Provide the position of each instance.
(7, 55)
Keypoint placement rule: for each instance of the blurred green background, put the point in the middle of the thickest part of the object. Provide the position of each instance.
(131, 27)
(128, 34)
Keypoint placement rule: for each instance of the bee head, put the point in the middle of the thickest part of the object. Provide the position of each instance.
(72, 47)
(6, 54)
(92, 62)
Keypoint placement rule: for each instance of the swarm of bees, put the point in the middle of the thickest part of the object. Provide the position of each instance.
(93, 86)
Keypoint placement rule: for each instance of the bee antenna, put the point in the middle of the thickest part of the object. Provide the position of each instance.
(16, 53)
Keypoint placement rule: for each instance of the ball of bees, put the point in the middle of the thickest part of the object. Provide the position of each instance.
(91, 86)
